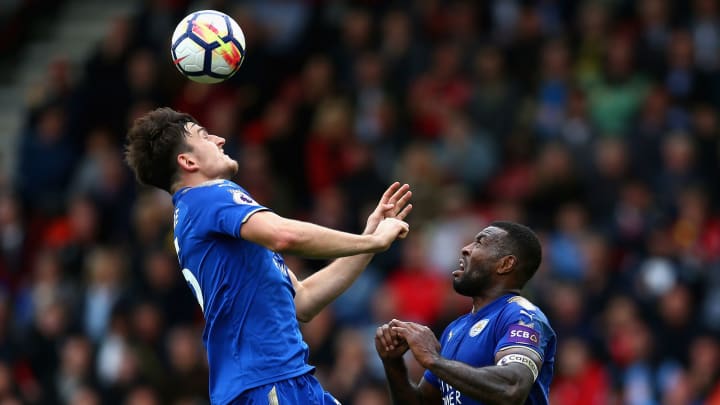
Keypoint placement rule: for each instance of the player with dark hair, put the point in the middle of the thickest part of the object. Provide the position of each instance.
(502, 352)
(229, 249)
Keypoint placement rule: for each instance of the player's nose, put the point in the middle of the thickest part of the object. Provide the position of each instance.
(219, 141)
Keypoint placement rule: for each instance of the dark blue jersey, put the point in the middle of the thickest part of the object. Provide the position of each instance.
(251, 334)
(474, 339)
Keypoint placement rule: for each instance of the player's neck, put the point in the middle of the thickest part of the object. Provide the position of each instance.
(193, 180)
(491, 295)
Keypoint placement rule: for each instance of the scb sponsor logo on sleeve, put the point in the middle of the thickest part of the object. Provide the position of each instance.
(523, 334)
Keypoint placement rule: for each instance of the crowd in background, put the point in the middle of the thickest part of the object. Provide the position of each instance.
(594, 122)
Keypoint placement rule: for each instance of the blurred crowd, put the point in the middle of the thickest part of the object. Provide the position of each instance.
(594, 122)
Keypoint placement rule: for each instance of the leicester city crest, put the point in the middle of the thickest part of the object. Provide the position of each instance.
(478, 327)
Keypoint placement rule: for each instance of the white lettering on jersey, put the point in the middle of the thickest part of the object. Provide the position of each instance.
(451, 396)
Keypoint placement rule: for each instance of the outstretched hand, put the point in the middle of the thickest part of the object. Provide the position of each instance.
(393, 204)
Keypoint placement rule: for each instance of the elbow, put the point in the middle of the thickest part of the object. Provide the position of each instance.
(283, 241)
(304, 316)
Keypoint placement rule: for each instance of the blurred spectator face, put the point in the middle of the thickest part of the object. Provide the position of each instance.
(595, 251)
(277, 119)
(317, 76)
(653, 12)
(329, 208)
(183, 349)
(704, 356)
(555, 60)
(161, 270)
(488, 64)
(332, 121)
(153, 212)
(620, 313)
(693, 206)
(117, 38)
(676, 306)
(357, 27)
(593, 20)
(705, 121)
(529, 25)
(414, 253)
(83, 217)
(680, 50)
(7, 382)
(619, 57)
(555, 163)
(566, 304)
(105, 268)
(147, 323)
(705, 8)
(85, 396)
(9, 210)
(446, 61)
(678, 153)
(573, 357)
(142, 67)
(655, 107)
(76, 357)
(396, 33)
(51, 124)
(611, 157)
(572, 219)
(462, 21)
(51, 320)
(142, 396)
(369, 71)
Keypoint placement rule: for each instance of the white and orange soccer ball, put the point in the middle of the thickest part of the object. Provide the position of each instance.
(208, 46)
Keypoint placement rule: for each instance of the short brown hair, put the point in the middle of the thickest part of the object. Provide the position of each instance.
(153, 144)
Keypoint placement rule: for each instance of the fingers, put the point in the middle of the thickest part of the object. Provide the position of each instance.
(389, 193)
(400, 198)
(404, 213)
(388, 339)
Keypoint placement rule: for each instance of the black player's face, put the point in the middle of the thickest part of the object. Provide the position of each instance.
(207, 152)
(478, 262)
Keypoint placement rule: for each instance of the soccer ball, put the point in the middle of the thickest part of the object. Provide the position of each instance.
(208, 46)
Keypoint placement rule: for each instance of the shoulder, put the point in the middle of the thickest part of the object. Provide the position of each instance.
(519, 308)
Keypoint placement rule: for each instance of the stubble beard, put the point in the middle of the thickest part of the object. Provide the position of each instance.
(472, 285)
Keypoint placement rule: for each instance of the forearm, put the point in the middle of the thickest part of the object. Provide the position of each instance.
(310, 240)
(490, 385)
(402, 390)
(325, 285)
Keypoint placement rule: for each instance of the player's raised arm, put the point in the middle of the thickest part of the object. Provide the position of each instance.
(305, 239)
(321, 288)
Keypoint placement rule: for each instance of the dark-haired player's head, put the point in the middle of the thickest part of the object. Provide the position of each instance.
(165, 148)
(504, 254)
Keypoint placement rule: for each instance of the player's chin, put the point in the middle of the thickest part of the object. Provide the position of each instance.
(233, 166)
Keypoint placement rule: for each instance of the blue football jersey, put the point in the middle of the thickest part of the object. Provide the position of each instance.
(251, 333)
(474, 339)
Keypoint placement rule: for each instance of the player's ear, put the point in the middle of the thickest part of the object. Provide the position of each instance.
(187, 162)
(507, 264)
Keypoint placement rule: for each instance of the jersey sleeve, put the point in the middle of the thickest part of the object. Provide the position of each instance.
(522, 324)
(226, 207)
